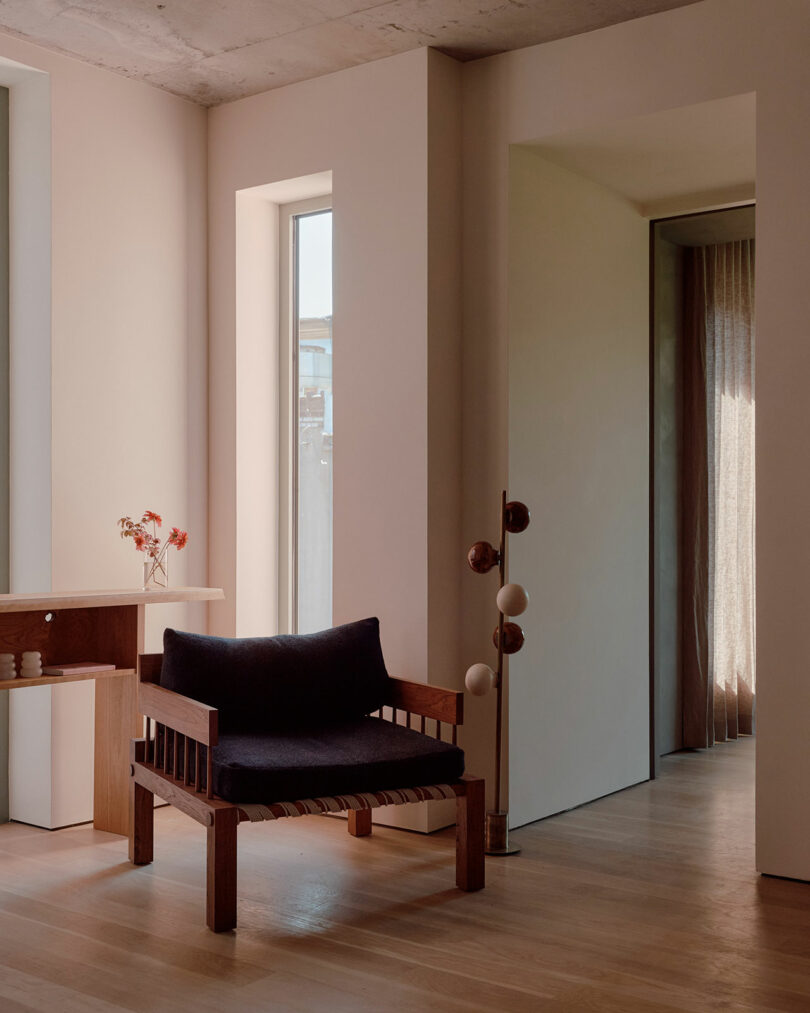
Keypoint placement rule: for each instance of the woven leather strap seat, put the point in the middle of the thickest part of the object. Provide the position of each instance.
(345, 803)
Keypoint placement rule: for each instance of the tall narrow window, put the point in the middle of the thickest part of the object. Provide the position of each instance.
(309, 432)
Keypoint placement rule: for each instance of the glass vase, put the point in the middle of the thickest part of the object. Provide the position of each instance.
(156, 572)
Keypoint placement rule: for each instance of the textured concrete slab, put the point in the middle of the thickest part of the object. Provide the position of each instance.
(216, 52)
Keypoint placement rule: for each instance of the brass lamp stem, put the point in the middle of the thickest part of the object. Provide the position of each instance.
(499, 672)
(497, 820)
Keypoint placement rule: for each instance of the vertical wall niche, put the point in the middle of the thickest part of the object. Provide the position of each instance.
(4, 426)
(27, 443)
(257, 561)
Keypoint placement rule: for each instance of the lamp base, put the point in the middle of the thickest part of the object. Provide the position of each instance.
(496, 834)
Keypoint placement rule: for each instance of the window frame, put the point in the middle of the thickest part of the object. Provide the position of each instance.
(288, 214)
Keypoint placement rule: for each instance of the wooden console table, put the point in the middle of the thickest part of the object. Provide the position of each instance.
(103, 626)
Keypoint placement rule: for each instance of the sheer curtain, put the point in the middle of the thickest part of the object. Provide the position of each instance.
(719, 495)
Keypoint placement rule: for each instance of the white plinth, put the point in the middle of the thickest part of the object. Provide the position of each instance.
(51, 755)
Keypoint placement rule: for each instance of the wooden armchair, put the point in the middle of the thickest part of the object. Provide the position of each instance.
(178, 761)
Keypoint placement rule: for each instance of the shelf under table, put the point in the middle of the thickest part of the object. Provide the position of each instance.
(101, 626)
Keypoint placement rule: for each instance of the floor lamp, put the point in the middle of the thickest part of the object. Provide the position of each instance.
(508, 638)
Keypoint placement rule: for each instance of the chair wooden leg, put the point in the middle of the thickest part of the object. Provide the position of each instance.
(142, 812)
(359, 822)
(221, 871)
(470, 809)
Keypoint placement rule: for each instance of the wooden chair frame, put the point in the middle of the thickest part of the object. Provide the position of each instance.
(187, 724)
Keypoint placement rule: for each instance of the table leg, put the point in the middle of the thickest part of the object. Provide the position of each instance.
(117, 722)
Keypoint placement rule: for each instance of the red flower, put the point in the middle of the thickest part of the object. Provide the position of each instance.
(147, 541)
(178, 538)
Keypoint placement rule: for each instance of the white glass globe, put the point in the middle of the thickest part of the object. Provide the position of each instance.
(512, 599)
(479, 679)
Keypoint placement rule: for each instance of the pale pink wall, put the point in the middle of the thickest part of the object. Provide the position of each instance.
(368, 126)
(128, 378)
(446, 555)
(396, 341)
(702, 52)
(129, 337)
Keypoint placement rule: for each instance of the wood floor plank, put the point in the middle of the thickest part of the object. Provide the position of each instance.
(643, 902)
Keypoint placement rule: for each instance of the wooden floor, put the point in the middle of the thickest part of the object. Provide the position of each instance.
(646, 900)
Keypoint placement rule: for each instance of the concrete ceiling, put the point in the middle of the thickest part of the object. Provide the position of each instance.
(669, 162)
(214, 51)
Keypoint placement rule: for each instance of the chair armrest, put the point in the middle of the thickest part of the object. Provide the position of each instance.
(428, 701)
(188, 717)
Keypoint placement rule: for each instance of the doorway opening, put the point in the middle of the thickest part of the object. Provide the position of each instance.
(579, 373)
(703, 678)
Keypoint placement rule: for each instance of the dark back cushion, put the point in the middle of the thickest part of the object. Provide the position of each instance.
(275, 683)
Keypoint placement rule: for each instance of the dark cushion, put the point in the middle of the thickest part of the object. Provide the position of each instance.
(271, 683)
(363, 755)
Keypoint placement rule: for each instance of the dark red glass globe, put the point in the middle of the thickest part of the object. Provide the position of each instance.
(482, 557)
(512, 638)
(516, 517)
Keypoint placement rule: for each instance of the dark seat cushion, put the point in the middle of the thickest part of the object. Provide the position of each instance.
(284, 682)
(363, 755)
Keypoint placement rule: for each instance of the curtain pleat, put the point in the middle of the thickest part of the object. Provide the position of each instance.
(719, 577)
